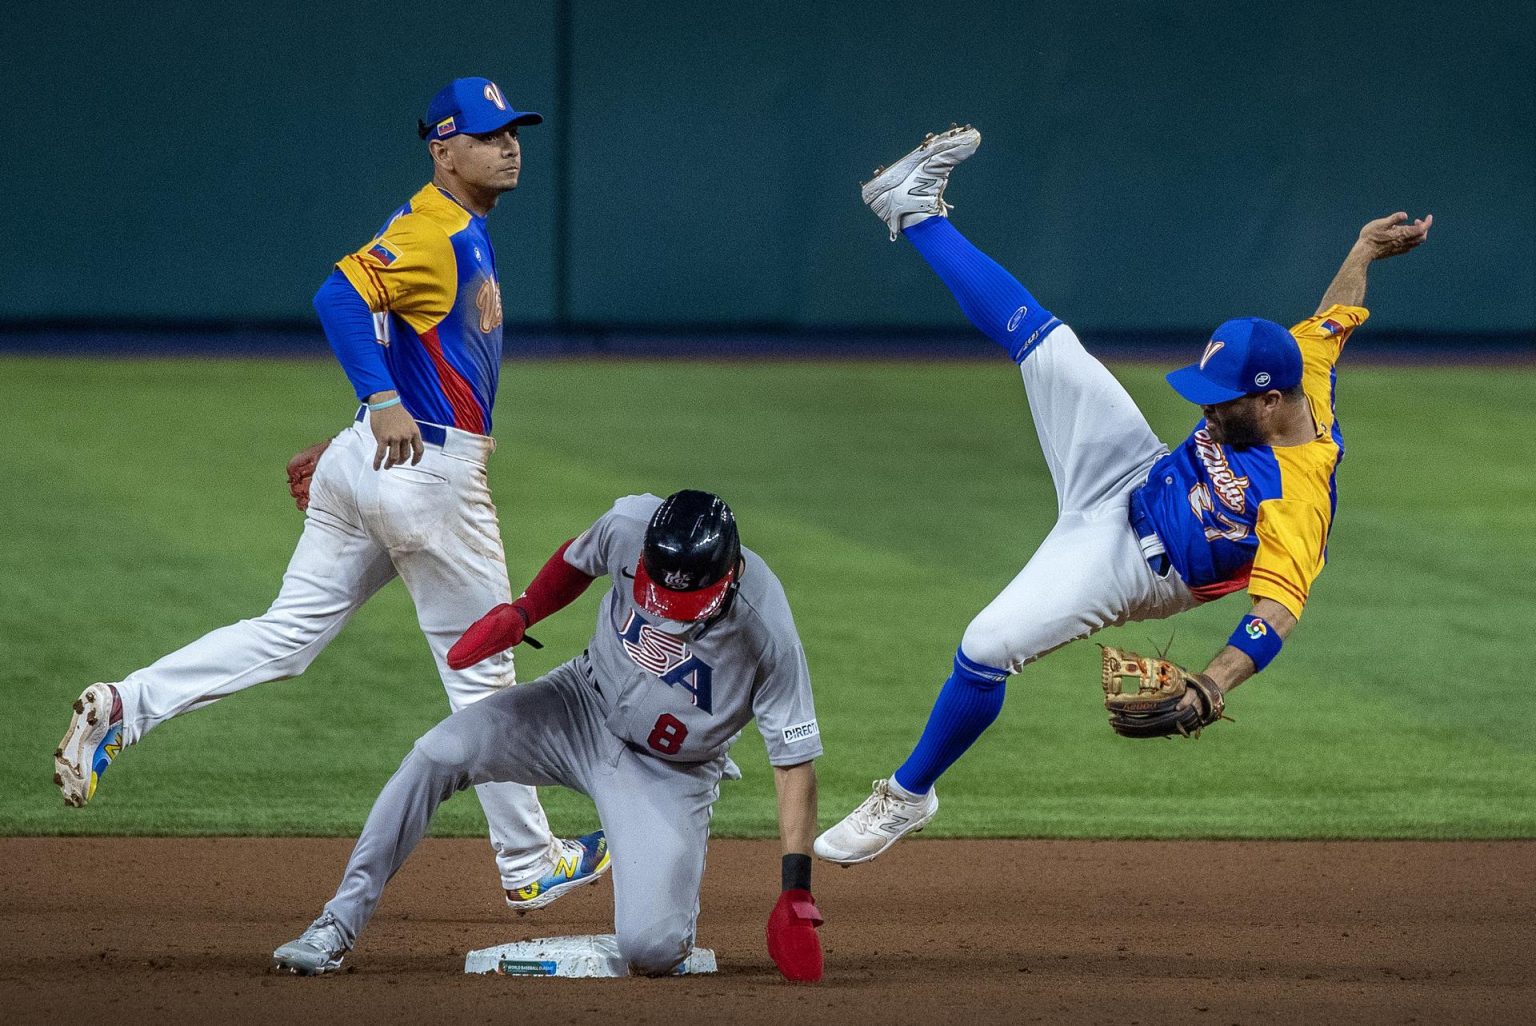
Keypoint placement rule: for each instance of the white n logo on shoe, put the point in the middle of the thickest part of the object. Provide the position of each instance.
(925, 187)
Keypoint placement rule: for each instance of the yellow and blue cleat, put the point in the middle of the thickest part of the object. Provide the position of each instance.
(578, 862)
(93, 740)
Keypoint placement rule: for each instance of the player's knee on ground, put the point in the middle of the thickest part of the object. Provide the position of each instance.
(654, 952)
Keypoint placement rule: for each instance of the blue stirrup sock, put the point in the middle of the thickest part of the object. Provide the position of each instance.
(992, 298)
(968, 703)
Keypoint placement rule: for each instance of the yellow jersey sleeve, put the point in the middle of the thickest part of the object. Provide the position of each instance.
(1292, 530)
(410, 270)
(1322, 337)
(1293, 535)
(1321, 340)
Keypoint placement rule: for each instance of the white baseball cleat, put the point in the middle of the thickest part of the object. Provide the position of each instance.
(883, 819)
(93, 740)
(912, 189)
(317, 950)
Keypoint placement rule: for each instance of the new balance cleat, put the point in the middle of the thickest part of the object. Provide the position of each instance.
(912, 189)
(883, 819)
(578, 862)
(318, 950)
(93, 740)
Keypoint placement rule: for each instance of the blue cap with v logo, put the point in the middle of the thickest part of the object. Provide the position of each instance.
(1247, 356)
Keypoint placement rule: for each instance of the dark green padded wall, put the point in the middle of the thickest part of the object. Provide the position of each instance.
(1146, 165)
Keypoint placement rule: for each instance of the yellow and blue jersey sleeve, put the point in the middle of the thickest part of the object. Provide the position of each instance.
(410, 270)
(1322, 337)
(1321, 340)
(1292, 528)
(1293, 542)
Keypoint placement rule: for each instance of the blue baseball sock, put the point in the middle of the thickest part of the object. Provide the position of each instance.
(968, 703)
(991, 297)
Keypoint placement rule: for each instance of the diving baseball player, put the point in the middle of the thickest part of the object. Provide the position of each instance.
(1245, 502)
(693, 640)
(415, 319)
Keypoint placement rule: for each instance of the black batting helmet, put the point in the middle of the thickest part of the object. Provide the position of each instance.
(689, 560)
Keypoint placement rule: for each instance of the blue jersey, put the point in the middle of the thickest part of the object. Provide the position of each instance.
(429, 276)
(1258, 517)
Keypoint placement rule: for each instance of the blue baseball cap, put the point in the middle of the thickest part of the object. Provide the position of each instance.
(1244, 357)
(473, 106)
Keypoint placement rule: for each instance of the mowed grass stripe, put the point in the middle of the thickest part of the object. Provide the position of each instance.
(894, 500)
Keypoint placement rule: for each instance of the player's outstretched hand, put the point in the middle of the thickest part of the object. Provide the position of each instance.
(792, 940)
(1388, 236)
(301, 469)
(494, 632)
(398, 436)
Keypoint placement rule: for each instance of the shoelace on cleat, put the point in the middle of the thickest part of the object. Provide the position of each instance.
(876, 806)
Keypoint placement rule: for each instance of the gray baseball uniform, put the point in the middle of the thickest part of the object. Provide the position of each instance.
(640, 721)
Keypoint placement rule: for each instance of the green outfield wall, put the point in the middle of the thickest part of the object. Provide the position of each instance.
(1145, 165)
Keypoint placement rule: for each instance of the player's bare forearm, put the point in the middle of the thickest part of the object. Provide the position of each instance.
(1384, 237)
(1348, 286)
(796, 787)
(1232, 666)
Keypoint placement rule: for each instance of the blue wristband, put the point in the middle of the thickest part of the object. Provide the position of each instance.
(1257, 638)
(386, 404)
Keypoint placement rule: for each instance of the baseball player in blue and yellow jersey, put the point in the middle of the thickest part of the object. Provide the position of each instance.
(1246, 501)
(414, 316)
(416, 313)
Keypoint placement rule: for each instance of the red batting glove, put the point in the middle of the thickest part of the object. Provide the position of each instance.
(301, 469)
(494, 632)
(792, 940)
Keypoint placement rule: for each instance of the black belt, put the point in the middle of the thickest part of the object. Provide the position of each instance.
(1141, 523)
(432, 434)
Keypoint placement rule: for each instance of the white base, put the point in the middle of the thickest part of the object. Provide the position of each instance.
(593, 955)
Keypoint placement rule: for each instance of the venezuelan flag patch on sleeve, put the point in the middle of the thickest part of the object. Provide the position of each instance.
(382, 253)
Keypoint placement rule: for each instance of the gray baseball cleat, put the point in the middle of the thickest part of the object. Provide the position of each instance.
(317, 951)
(883, 818)
(912, 189)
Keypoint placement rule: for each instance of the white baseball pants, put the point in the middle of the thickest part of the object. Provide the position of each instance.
(1091, 571)
(432, 524)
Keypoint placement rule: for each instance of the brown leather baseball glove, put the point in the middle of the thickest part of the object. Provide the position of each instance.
(1168, 700)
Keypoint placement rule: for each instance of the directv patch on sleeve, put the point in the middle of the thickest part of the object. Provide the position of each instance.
(800, 732)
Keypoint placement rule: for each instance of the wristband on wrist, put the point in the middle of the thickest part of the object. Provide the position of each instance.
(1256, 638)
(386, 404)
(797, 872)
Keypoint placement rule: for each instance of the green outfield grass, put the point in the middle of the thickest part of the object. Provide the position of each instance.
(144, 504)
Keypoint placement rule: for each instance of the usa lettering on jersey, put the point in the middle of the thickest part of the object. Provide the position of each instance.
(667, 656)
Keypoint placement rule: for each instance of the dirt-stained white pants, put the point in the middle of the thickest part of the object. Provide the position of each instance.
(432, 524)
(1091, 571)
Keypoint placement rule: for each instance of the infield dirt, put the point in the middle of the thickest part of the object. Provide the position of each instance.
(180, 930)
